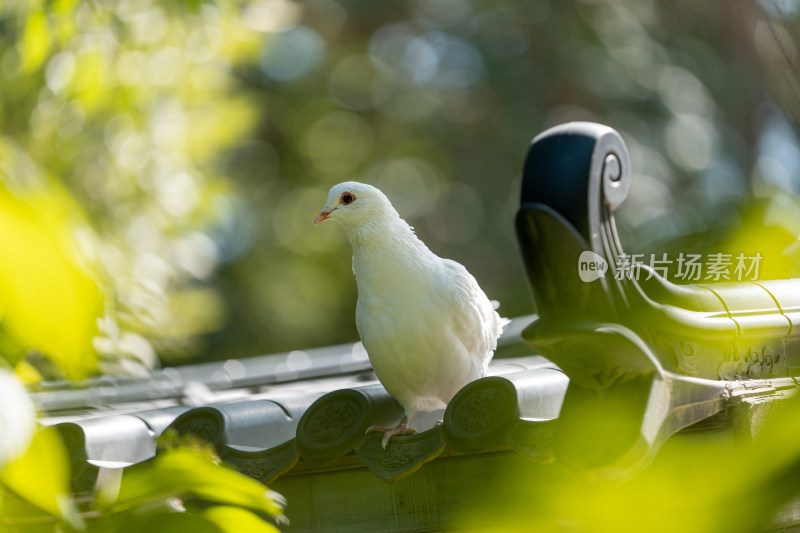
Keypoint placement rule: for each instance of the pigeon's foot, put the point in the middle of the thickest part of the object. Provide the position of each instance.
(400, 429)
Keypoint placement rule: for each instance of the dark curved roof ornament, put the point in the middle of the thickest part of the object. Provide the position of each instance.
(516, 410)
(645, 357)
(255, 436)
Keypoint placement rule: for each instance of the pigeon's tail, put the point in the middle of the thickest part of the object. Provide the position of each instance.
(503, 320)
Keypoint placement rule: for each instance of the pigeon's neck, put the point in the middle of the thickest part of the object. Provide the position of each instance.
(375, 231)
(387, 247)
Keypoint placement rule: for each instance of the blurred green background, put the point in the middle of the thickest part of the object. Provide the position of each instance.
(161, 163)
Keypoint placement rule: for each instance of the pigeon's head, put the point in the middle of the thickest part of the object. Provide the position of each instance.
(353, 204)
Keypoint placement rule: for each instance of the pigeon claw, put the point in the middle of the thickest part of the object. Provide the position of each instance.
(400, 429)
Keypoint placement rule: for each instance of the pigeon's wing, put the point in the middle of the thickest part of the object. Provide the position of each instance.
(475, 322)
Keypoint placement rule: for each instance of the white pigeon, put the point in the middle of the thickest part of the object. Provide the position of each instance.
(427, 326)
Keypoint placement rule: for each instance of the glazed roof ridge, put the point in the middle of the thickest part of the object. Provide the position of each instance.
(266, 437)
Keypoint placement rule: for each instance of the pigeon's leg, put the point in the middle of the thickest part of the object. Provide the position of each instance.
(400, 429)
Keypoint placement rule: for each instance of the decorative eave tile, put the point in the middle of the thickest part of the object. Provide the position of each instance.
(403, 455)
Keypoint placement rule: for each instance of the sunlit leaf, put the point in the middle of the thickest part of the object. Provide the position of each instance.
(41, 476)
(769, 228)
(64, 22)
(49, 300)
(60, 6)
(17, 417)
(235, 519)
(27, 373)
(36, 41)
(90, 79)
(17, 515)
(186, 473)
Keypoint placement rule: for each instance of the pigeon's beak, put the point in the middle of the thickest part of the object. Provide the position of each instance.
(323, 215)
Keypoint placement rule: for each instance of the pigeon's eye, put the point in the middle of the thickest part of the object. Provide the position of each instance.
(347, 198)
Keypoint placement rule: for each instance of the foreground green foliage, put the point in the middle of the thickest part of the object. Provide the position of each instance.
(108, 194)
(712, 481)
(181, 489)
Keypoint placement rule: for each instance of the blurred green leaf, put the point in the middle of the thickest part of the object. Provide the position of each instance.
(18, 515)
(60, 6)
(710, 481)
(168, 523)
(42, 477)
(186, 473)
(35, 41)
(49, 302)
(92, 79)
(235, 520)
